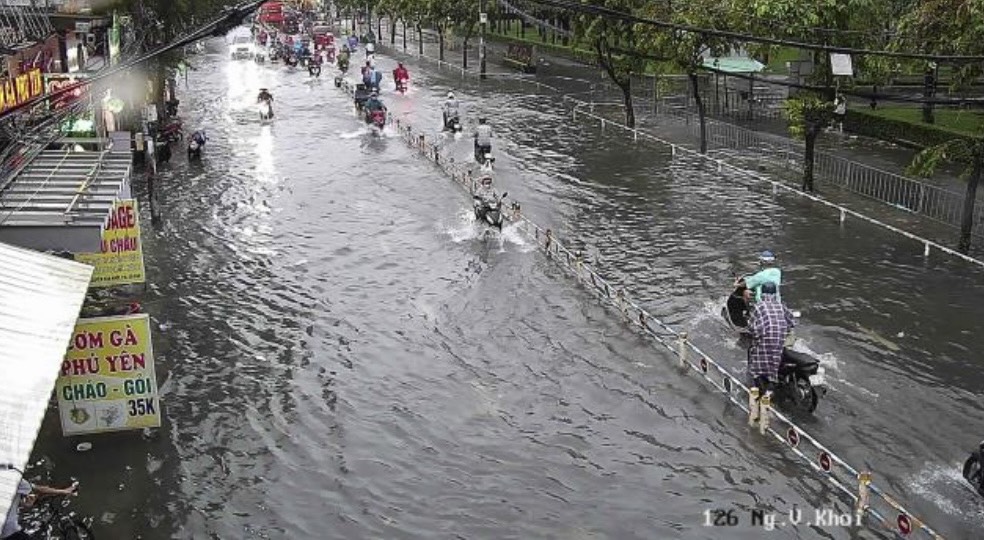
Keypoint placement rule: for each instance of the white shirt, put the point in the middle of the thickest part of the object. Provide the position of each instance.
(10, 525)
(370, 48)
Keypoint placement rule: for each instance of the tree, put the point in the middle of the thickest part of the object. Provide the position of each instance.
(162, 21)
(607, 36)
(686, 51)
(846, 23)
(464, 15)
(950, 27)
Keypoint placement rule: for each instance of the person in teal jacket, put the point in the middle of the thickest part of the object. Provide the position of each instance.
(769, 273)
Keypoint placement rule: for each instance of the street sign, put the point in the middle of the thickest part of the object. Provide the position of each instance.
(793, 437)
(483, 18)
(905, 524)
(825, 461)
(840, 64)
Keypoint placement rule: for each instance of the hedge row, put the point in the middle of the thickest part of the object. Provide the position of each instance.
(901, 132)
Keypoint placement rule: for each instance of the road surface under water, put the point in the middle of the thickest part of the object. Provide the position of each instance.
(344, 354)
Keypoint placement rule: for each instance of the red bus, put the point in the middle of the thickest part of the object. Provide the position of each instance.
(272, 13)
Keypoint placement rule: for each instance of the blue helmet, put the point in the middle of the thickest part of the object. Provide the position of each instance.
(767, 257)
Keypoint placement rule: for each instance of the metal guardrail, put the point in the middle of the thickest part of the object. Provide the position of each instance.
(900, 192)
(867, 498)
(777, 185)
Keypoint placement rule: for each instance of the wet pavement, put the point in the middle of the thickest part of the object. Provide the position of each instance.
(343, 353)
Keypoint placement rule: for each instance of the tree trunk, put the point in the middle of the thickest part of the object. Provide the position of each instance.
(812, 131)
(420, 39)
(392, 28)
(160, 74)
(379, 29)
(522, 28)
(970, 201)
(353, 22)
(440, 43)
(464, 54)
(404, 34)
(701, 115)
(626, 87)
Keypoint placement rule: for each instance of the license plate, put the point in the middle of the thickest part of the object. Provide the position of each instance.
(817, 380)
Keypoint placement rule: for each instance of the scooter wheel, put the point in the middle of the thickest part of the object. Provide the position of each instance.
(806, 397)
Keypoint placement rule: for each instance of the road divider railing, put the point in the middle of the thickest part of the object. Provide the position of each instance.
(584, 109)
(856, 484)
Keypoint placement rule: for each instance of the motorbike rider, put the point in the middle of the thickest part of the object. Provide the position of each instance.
(483, 195)
(770, 323)
(200, 137)
(265, 95)
(371, 77)
(370, 50)
(450, 108)
(343, 57)
(25, 496)
(400, 73)
(374, 104)
(972, 469)
(483, 137)
(769, 273)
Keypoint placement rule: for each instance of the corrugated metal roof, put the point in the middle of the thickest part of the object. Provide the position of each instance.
(40, 299)
(65, 189)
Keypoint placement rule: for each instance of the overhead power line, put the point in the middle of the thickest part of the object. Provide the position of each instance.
(628, 17)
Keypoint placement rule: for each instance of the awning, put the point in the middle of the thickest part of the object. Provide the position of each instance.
(61, 200)
(735, 64)
(40, 299)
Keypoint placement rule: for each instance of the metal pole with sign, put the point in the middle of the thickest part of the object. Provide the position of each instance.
(483, 19)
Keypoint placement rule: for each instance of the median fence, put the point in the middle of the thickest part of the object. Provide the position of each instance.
(871, 504)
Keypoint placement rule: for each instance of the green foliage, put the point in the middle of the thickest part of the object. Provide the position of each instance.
(807, 111)
(685, 50)
(607, 36)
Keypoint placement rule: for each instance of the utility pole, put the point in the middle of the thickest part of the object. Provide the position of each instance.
(483, 19)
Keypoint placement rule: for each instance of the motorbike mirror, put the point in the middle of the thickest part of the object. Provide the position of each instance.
(504, 193)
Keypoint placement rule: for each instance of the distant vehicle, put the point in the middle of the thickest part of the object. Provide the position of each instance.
(272, 13)
(242, 47)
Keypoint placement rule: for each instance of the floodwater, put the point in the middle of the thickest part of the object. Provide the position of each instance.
(344, 354)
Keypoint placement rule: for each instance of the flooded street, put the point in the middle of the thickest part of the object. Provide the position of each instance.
(344, 354)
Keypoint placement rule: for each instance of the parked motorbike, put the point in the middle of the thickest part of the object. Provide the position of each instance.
(171, 107)
(972, 469)
(171, 132)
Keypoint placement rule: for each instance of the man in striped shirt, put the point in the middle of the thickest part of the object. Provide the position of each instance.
(770, 323)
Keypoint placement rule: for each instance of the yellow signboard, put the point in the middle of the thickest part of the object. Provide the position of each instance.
(107, 380)
(120, 261)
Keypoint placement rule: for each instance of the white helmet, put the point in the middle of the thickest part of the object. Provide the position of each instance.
(450, 95)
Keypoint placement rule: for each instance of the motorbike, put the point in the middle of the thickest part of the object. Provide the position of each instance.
(972, 469)
(483, 155)
(291, 61)
(172, 131)
(196, 144)
(452, 124)
(361, 95)
(343, 64)
(260, 56)
(314, 69)
(171, 107)
(490, 210)
(401, 85)
(376, 118)
(266, 110)
(802, 379)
